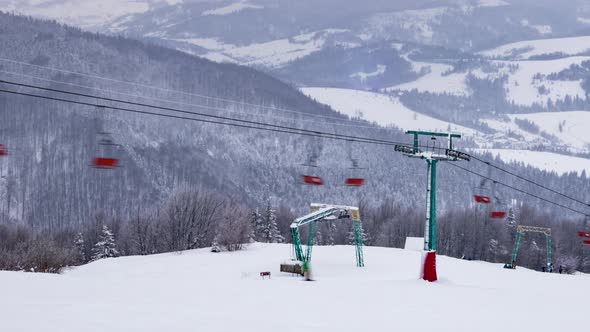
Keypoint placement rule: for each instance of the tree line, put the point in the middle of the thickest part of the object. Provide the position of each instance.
(193, 219)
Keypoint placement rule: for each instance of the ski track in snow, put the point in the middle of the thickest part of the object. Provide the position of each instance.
(203, 291)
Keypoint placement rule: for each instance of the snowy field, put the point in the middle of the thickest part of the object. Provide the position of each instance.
(546, 161)
(523, 50)
(570, 128)
(380, 108)
(202, 291)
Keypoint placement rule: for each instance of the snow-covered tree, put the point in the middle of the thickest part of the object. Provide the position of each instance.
(257, 226)
(331, 233)
(364, 236)
(269, 230)
(80, 248)
(105, 247)
(233, 230)
(511, 218)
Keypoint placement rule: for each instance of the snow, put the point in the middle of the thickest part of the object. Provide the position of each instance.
(272, 54)
(212, 44)
(583, 20)
(523, 89)
(541, 29)
(573, 136)
(568, 46)
(364, 76)
(380, 108)
(231, 9)
(574, 131)
(203, 291)
(414, 243)
(279, 52)
(419, 22)
(492, 3)
(436, 81)
(547, 161)
(83, 13)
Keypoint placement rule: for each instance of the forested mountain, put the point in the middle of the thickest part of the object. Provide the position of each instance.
(461, 61)
(47, 181)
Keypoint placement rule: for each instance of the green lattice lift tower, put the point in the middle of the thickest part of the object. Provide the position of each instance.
(520, 231)
(432, 152)
(320, 213)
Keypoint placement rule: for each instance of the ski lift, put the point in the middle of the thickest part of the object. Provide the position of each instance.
(355, 180)
(481, 194)
(3, 151)
(310, 169)
(106, 157)
(498, 210)
(498, 214)
(586, 242)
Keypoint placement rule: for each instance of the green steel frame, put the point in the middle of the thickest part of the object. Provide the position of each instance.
(520, 231)
(319, 213)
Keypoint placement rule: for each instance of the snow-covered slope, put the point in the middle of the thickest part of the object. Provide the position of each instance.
(387, 110)
(380, 108)
(524, 88)
(232, 8)
(569, 128)
(271, 54)
(203, 291)
(436, 80)
(526, 49)
(83, 13)
(547, 161)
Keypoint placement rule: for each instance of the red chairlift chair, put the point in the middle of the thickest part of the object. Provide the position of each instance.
(498, 214)
(106, 158)
(309, 169)
(313, 180)
(354, 180)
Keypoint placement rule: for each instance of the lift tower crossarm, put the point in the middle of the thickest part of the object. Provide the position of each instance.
(315, 216)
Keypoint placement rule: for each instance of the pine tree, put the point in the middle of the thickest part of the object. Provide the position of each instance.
(269, 229)
(80, 248)
(257, 226)
(511, 218)
(106, 246)
(331, 233)
(364, 237)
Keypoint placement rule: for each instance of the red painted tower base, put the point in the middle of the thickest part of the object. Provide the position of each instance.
(429, 266)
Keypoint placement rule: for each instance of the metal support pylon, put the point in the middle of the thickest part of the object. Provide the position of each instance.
(358, 242)
(433, 154)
